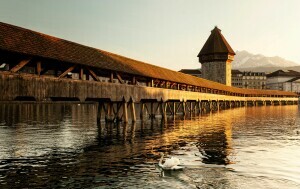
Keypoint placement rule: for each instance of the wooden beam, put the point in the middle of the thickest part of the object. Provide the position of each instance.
(162, 83)
(132, 108)
(172, 85)
(119, 78)
(155, 82)
(39, 68)
(133, 80)
(67, 71)
(125, 114)
(20, 65)
(81, 73)
(45, 69)
(111, 77)
(94, 76)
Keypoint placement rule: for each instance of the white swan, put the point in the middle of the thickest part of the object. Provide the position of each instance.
(170, 164)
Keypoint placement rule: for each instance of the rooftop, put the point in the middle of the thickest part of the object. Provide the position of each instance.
(294, 79)
(284, 73)
(234, 72)
(191, 71)
(216, 43)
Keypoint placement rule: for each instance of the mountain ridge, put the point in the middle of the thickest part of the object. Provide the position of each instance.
(246, 61)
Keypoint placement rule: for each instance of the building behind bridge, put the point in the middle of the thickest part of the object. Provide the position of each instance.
(248, 80)
(284, 80)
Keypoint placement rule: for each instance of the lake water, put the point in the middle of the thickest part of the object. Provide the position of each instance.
(61, 146)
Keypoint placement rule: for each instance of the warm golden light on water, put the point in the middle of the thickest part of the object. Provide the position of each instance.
(253, 147)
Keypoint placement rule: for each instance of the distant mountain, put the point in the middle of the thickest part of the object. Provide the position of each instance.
(246, 61)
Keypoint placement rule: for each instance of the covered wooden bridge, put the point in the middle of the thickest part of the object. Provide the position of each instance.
(39, 67)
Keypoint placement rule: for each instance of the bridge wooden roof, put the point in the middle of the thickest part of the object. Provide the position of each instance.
(28, 42)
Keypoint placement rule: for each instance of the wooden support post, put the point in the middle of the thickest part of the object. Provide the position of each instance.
(99, 112)
(125, 113)
(133, 80)
(164, 111)
(174, 108)
(38, 68)
(109, 117)
(183, 107)
(191, 108)
(111, 77)
(151, 83)
(20, 65)
(142, 111)
(132, 107)
(81, 73)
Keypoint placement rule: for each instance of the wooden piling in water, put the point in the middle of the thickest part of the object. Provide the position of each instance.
(125, 113)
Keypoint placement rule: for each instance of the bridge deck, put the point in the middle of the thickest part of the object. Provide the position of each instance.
(15, 86)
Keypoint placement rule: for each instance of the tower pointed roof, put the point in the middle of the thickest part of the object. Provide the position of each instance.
(216, 43)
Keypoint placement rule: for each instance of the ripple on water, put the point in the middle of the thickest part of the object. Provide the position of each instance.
(61, 146)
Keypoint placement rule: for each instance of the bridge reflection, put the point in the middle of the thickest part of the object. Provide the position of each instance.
(56, 141)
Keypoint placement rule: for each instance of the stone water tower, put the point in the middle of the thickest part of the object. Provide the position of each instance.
(216, 56)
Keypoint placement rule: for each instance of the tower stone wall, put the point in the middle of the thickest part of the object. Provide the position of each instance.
(218, 71)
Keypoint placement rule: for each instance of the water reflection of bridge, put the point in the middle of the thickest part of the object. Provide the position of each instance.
(30, 122)
(63, 138)
(38, 67)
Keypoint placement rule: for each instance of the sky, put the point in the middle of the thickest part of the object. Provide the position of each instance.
(166, 33)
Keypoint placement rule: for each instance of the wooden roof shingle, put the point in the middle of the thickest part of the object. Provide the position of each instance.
(216, 43)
